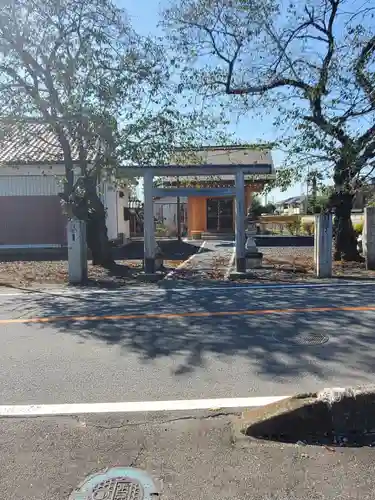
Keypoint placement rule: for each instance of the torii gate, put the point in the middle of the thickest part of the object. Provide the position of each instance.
(238, 170)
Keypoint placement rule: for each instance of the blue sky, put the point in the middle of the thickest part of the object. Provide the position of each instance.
(144, 15)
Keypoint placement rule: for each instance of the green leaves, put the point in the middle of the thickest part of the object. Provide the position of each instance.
(310, 64)
(105, 91)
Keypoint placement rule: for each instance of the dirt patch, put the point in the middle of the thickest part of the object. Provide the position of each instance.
(297, 265)
(281, 265)
(31, 273)
(52, 268)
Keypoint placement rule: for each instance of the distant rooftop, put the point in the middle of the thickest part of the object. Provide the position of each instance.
(292, 200)
(227, 147)
(34, 142)
(30, 143)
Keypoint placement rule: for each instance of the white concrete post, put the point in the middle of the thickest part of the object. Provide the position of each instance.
(240, 223)
(77, 252)
(368, 237)
(149, 227)
(323, 245)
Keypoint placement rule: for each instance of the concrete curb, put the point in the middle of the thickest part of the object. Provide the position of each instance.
(329, 415)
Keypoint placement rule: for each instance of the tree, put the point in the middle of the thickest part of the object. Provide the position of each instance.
(69, 64)
(318, 201)
(258, 209)
(311, 62)
(106, 93)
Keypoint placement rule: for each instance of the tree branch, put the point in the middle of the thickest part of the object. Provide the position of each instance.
(362, 79)
(322, 85)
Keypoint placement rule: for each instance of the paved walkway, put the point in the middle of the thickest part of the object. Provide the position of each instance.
(212, 262)
(190, 458)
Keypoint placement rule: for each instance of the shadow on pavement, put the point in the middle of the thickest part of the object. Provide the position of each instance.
(273, 343)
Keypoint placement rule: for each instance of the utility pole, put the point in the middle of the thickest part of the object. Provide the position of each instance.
(314, 191)
(178, 212)
(307, 190)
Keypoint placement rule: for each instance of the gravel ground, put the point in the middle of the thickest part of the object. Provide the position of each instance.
(285, 264)
(30, 273)
(280, 265)
(294, 264)
(52, 268)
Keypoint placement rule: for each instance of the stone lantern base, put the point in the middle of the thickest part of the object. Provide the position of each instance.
(254, 260)
(158, 258)
(156, 264)
(252, 255)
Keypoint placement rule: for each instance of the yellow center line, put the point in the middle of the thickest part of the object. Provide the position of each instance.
(193, 314)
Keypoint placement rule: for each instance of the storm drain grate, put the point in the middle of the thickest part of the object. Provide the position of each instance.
(117, 489)
(308, 338)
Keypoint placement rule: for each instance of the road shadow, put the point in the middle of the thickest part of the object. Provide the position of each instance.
(276, 341)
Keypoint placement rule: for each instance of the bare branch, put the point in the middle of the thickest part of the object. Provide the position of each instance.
(363, 80)
(322, 85)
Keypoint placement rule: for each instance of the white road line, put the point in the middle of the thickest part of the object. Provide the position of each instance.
(183, 264)
(141, 406)
(229, 288)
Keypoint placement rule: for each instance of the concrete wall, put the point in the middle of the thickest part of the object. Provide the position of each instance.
(356, 218)
(114, 200)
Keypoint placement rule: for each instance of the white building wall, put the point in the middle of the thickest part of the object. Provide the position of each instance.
(108, 195)
(122, 202)
(30, 185)
(48, 181)
(114, 204)
(45, 170)
(32, 180)
(290, 210)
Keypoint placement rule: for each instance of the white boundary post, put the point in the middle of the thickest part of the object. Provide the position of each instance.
(240, 222)
(323, 245)
(368, 240)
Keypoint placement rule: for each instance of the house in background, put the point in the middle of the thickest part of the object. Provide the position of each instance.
(216, 215)
(31, 175)
(364, 195)
(291, 206)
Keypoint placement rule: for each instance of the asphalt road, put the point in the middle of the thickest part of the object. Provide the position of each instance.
(163, 344)
(189, 458)
(178, 344)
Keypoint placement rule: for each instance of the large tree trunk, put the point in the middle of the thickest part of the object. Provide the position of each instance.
(97, 234)
(345, 241)
(86, 205)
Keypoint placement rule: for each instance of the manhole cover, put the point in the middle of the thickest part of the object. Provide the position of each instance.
(119, 488)
(310, 338)
(117, 483)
